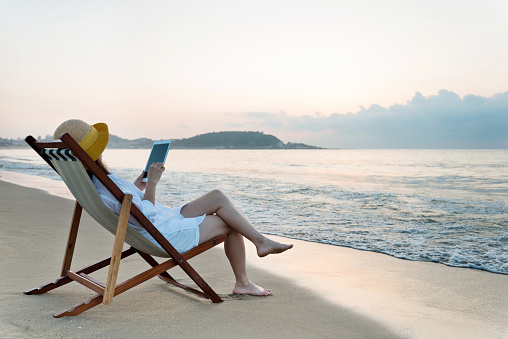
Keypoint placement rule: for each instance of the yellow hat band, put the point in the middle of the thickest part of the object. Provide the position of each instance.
(89, 139)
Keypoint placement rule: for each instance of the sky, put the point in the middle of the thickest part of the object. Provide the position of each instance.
(340, 74)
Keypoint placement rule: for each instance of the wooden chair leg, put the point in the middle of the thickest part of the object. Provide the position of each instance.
(207, 293)
(152, 262)
(117, 249)
(142, 277)
(71, 240)
(81, 307)
(85, 270)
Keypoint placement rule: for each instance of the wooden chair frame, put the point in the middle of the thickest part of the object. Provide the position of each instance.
(106, 292)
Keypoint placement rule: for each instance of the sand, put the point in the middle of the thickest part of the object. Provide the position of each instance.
(319, 290)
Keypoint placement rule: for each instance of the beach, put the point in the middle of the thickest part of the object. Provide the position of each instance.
(318, 290)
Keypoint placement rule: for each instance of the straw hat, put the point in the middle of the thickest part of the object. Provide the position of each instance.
(93, 139)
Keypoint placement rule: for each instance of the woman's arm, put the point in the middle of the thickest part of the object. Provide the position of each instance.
(154, 175)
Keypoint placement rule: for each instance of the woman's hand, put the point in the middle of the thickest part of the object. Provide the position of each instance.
(155, 172)
(139, 181)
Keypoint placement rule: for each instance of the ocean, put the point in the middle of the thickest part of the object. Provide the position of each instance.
(444, 206)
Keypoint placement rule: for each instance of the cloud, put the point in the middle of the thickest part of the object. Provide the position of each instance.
(444, 120)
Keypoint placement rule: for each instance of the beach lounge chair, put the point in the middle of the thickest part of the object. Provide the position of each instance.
(68, 159)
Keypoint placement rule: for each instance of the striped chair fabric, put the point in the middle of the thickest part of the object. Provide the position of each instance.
(77, 180)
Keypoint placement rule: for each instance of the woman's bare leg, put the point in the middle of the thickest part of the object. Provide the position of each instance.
(235, 251)
(217, 203)
(228, 220)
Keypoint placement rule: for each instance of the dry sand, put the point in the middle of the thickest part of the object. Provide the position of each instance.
(318, 290)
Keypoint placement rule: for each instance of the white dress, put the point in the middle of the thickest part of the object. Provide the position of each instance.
(181, 232)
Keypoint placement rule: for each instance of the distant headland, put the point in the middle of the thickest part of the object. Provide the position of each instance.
(214, 140)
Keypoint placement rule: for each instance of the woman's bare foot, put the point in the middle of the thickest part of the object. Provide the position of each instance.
(250, 289)
(272, 247)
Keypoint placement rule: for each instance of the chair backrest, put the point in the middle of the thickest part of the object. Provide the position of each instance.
(77, 180)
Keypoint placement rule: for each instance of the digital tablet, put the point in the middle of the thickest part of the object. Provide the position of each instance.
(159, 153)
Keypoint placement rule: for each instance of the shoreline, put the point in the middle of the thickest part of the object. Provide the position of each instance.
(412, 299)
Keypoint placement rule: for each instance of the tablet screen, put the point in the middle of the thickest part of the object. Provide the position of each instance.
(158, 154)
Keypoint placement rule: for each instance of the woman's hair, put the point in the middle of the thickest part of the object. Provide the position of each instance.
(102, 165)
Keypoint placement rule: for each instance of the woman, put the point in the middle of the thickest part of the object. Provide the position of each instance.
(187, 226)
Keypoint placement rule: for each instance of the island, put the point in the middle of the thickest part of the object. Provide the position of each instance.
(214, 140)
